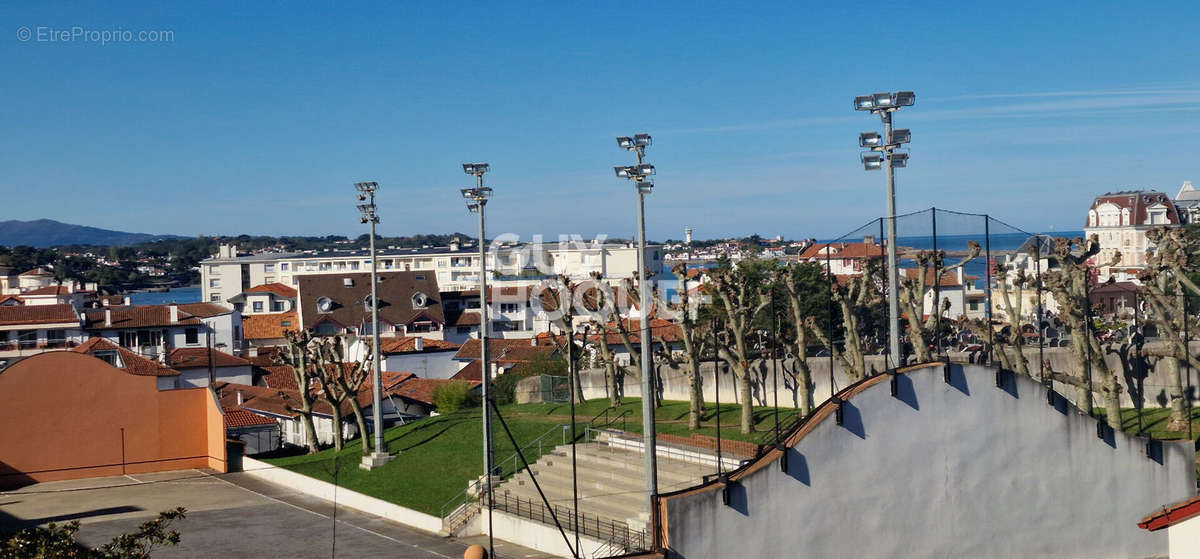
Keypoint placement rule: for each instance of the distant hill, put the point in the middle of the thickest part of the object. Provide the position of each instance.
(43, 233)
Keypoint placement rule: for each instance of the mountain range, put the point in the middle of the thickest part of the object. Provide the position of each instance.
(44, 233)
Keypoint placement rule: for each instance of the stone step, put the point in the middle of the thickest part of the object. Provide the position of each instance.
(631, 491)
(610, 479)
(672, 470)
(604, 507)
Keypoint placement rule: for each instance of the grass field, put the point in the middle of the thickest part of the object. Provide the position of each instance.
(437, 457)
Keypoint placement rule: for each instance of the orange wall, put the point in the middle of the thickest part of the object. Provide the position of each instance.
(62, 416)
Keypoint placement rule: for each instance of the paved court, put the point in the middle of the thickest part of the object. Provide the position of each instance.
(231, 515)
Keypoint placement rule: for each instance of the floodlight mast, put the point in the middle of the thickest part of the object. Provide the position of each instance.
(640, 175)
(476, 199)
(381, 455)
(884, 104)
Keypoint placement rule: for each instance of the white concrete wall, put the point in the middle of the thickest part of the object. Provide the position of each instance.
(947, 470)
(528, 533)
(1185, 538)
(189, 378)
(438, 364)
(343, 497)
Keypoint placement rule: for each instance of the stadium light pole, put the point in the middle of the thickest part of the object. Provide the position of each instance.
(640, 174)
(883, 155)
(366, 193)
(476, 199)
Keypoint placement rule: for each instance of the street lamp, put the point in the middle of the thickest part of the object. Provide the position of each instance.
(476, 199)
(640, 174)
(366, 193)
(883, 155)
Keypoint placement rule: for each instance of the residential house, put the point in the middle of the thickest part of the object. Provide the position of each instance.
(409, 304)
(266, 298)
(956, 287)
(152, 329)
(503, 354)
(36, 278)
(416, 394)
(844, 258)
(27, 330)
(1120, 220)
(198, 365)
(423, 357)
(166, 377)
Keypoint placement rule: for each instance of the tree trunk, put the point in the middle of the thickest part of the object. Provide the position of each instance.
(362, 426)
(1178, 420)
(338, 442)
(743, 381)
(310, 431)
(804, 386)
(696, 396)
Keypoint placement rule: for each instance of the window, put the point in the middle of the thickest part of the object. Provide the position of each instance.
(509, 307)
(258, 306)
(128, 339)
(214, 298)
(277, 306)
(214, 270)
(56, 336)
(283, 266)
(419, 277)
(237, 332)
(286, 323)
(463, 330)
(109, 356)
(27, 338)
(268, 268)
(506, 326)
(191, 336)
(354, 265)
(214, 283)
(974, 305)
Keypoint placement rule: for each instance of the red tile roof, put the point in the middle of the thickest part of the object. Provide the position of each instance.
(37, 314)
(269, 326)
(471, 372)
(276, 288)
(843, 250)
(49, 290)
(1171, 514)
(949, 279)
(134, 364)
(659, 328)
(5, 299)
(237, 417)
(37, 272)
(408, 344)
(470, 349)
(421, 389)
(273, 401)
(142, 316)
(279, 376)
(193, 357)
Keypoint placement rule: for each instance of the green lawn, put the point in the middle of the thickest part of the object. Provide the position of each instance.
(438, 456)
(1153, 422)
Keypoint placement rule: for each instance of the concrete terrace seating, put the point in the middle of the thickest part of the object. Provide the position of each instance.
(611, 481)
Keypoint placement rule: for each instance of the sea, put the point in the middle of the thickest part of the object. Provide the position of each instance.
(174, 295)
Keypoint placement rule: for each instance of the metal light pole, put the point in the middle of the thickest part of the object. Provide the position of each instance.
(640, 174)
(476, 201)
(883, 149)
(380, 456)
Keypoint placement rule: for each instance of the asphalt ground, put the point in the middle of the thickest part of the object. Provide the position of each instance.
(229, 515)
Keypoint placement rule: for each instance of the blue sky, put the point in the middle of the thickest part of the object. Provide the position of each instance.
(259, 119)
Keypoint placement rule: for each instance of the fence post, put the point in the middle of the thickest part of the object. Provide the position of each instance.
(937, 286)
(1040, 313)
(887, 347)
(1014, 322)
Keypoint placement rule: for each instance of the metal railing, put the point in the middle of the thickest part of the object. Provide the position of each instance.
(614, 532)
(607, 420)
(456, 503)
(681, 452)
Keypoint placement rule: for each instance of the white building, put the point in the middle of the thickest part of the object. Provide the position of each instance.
(265, 299)
(30, 329)
(1121, 220)
(228, 274)
(149, 330)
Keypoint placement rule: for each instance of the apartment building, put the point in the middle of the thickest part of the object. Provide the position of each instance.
(229, 274)
(1120, 220)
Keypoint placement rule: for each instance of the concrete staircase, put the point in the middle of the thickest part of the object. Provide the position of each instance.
(611, 484)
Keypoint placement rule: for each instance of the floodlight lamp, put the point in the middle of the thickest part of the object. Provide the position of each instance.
(483, 193)
(362, 197)
(644, 187)
(645, 169)
(362, 220)
(469, 168)
(872, 161)
(641, 140)
(901, 136)
(870, 139)
(473, 207)
(467, 194)
(481, 168)
(883, 100)
(904, 98)
(625, 142)
(864, 102)
(365, 208)
(366, 186)
(624, 172)
(898, 160)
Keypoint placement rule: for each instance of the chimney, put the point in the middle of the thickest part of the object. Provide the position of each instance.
(126, 300)
(108, 318)
(240, 399)
(174, 310)
(418, 343)
(533, 341)
(869, 240)
(252, 351)
(454, 245)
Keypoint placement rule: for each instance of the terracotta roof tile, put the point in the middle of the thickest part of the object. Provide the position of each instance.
(276, 288)
(470, 348)
(37, 314)
(237, 417)
(134, 364)
(269, 326)
(1171, 514)
(49, 290)
(279, 376)
(142, 316)
(843, 250)
(471, 372)
(421, 389)
(408, 344)
(193, 357)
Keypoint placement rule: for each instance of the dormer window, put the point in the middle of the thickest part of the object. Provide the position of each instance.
(324, 305)
(419, 300)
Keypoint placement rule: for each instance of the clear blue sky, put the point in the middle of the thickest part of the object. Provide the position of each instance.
(259, 119)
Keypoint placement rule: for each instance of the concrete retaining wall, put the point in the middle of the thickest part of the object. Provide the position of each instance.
(534, 535)
(344, 497)
(959, 469)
